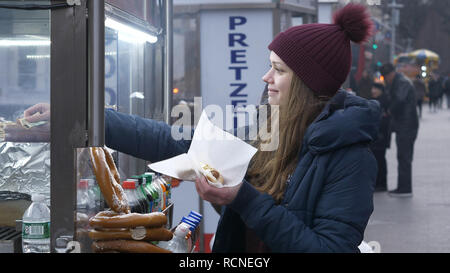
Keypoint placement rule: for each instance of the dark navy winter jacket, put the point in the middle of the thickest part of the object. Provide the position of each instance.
(328, 200)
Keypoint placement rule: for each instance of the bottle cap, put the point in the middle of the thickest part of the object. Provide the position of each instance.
(91, 182)
(36, 197)
(129, 184)
(195, 214)
(83, 184)
(191, 225)
(148, 178)
(138, 178)
(193, 220)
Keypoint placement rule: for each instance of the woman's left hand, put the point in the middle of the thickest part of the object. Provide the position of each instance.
(218, 196)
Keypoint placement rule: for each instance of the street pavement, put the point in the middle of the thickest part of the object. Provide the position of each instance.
(420, 224)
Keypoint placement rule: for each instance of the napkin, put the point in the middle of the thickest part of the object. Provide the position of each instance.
(213, 146)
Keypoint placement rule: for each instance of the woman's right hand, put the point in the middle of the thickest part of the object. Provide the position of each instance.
(37, 112)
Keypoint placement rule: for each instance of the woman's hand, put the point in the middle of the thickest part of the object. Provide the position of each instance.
(217, 196)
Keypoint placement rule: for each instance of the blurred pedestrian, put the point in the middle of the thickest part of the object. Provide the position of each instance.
(435, 91)
(405, 124)
(383, 141)
(364, 85)
(421, 89)
(446, 92)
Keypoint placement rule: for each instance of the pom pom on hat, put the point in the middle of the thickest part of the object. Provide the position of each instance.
(355, 20)
(320, 54)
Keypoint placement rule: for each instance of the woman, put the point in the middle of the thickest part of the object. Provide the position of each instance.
(314, 192)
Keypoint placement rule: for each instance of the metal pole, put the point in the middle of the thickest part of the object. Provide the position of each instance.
(96, 72)
(201, 210)
(168, 60)
(393, 31)
(395, 14)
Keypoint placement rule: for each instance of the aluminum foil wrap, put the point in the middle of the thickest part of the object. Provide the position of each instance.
(25, 168)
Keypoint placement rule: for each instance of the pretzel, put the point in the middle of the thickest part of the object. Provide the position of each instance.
(139, 233)
(128, 246)
(108, 179)
(130, 220)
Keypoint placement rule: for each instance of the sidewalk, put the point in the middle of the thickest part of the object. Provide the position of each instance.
(420, 223)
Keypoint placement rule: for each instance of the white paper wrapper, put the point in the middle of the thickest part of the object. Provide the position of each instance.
(215, 147)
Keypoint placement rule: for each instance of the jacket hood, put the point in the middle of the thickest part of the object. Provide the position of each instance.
(347, 119)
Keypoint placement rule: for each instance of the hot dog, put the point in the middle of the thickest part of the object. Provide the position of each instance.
(108, 179)
(149, 234)
(127, 246)
(130, 220)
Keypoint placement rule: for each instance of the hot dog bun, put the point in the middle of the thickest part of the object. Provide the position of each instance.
(211, 174)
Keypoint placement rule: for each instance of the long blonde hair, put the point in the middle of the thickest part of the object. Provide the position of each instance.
(269, 170)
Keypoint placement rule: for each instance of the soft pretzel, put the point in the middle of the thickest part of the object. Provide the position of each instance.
(127, 246)
(129, 220)
(108, 179)
(140, 233)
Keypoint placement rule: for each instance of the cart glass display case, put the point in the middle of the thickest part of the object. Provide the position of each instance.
(24, 82)
(70, 60)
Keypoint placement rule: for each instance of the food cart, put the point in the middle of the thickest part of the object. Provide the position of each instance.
(79, 56)
(418, 62)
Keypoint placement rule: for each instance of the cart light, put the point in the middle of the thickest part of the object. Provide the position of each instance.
(130, 34)
(12, 42)
(138, 95)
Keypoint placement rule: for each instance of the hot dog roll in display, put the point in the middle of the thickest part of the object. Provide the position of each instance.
(211, 174)
(108, 179)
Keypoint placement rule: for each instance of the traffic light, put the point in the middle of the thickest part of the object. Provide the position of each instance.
(375, 46)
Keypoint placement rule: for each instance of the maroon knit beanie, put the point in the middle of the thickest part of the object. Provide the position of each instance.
(320, 54)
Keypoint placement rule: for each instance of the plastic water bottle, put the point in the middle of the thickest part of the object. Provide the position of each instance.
(83, 196)
(95, 197)
(36, 226)
(179, 242)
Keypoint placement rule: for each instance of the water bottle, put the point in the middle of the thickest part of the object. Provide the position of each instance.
(36, 226)
(141, 192)
(95, 196)
(83, 196)
(159, 190)
(135, 204)
(147, 191)
(179, 242)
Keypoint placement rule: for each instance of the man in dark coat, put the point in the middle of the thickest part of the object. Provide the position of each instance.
(446, 86)
(404, 123)
(435, 91)
(383, 141)
(421, 90)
